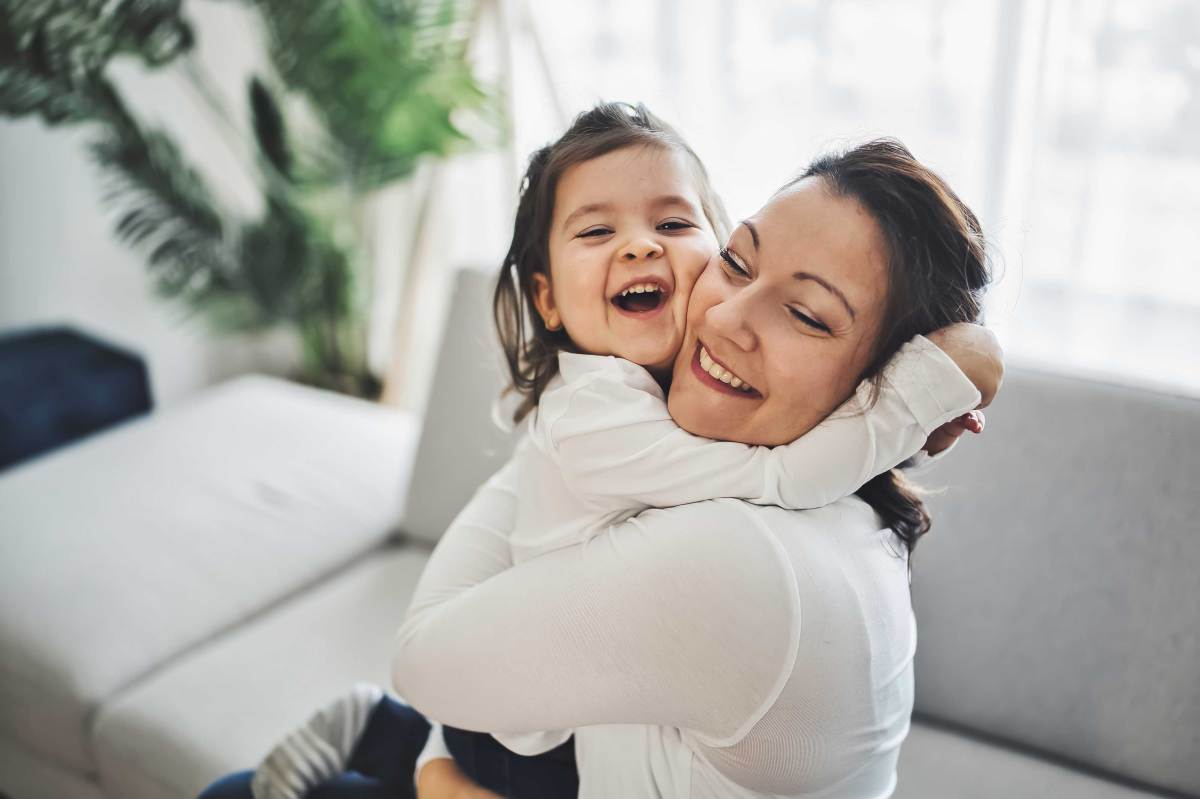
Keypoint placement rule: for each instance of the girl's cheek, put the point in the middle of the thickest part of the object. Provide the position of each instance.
(703, 296)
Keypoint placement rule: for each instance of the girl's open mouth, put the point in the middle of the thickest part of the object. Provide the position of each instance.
(641, 299)
(716, 376)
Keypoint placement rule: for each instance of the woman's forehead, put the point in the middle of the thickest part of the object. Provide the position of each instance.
(807, 228)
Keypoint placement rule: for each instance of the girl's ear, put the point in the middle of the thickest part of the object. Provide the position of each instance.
(543, 300)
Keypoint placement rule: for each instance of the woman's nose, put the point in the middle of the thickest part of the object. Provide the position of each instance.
(640, 249)
(731, 319)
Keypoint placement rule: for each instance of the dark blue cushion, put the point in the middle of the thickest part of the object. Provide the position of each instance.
(58, 385)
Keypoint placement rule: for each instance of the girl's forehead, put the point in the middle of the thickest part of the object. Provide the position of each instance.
(630, 168)
(640, 174)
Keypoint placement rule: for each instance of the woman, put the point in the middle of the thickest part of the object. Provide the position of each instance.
(723, 648)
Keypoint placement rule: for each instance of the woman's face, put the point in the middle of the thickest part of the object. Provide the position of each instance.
(790, 310)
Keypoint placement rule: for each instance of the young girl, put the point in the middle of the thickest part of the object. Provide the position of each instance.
(615, 223)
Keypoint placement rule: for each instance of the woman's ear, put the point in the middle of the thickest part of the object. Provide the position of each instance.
(543, 300)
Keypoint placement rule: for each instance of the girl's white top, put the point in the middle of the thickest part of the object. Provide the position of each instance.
(672, 643)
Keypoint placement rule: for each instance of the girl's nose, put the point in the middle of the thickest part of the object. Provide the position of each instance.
(641, 249)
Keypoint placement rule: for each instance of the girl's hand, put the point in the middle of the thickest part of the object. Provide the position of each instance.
(946, 435)
(442, 779)
(977, 352)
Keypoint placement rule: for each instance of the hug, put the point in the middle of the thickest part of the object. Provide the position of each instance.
(692, 578)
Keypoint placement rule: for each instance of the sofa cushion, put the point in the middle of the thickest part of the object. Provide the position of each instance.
(124, 550)
(226, 704)
(24, 775)
(938, 764)
(1056, 597)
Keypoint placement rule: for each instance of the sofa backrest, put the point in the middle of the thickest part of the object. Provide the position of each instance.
(460, 445)
(1057, 598)
(1058, 594)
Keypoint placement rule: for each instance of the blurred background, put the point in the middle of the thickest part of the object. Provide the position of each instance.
(193, 190)
(222, 187)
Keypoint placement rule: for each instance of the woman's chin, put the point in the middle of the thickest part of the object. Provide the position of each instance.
(701, 411)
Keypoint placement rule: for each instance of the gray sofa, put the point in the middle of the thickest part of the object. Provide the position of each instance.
(178, 591)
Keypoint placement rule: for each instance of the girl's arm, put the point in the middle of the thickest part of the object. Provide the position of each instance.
(685, 617)
(609, 430)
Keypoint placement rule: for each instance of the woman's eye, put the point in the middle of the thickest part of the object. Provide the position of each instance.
(593, 232)
(732, 264)
(675, 224)
(808, 320)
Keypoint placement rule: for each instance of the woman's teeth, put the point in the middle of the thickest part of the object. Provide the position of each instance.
(721, 373)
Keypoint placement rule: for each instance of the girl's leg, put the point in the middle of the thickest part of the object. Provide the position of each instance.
(550, 775)
(352, 785)
(233, 786)
(389, 745)
(479, 756)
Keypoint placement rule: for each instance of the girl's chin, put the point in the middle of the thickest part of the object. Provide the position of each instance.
(658, 360)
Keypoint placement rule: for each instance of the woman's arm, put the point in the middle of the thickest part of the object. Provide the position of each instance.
(685, 617)
(475, 546)
(609, 432)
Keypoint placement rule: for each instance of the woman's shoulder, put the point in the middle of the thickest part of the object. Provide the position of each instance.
(758, 551)
(728, 543)
(719, 518)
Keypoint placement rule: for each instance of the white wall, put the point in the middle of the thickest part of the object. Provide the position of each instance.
(59, 263)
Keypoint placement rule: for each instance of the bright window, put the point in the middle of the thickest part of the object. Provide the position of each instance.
(1072, 127)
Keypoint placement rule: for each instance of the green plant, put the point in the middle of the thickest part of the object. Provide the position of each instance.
(385, 79)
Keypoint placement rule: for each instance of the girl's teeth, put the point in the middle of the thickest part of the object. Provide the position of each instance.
(640, 288)
(735, 382)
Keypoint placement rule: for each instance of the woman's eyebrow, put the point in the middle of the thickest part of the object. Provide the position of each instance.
(825, 284)
(753, 232)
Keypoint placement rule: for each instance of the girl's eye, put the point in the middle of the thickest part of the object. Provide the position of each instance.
(594, 232)
(675, 224)
(732, 264)
(808, 320)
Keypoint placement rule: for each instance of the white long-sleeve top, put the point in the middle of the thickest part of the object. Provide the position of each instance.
(603, 448)
(716, 649)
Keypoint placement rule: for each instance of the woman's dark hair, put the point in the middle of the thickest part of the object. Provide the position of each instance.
(937, 271)
(531, 349)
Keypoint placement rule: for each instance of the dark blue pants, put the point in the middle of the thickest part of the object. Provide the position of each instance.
(381, 765)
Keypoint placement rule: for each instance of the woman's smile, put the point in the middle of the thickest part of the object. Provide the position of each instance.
(714, 374)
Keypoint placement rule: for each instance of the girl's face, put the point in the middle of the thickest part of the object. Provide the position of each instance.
(791, 308)
(627, 242)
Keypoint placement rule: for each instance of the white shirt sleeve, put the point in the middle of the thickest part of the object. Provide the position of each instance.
(475, 545)
(435, 749)
(608, 428)
(685, 617)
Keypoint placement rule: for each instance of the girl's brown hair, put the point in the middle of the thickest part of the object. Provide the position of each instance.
(938, 269)
(531, 349)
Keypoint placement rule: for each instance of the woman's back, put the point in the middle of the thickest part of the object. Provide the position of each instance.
(833, 722)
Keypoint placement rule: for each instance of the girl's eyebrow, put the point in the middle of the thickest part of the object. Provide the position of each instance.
(584, 210)
(673, 199)
(662, 201)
